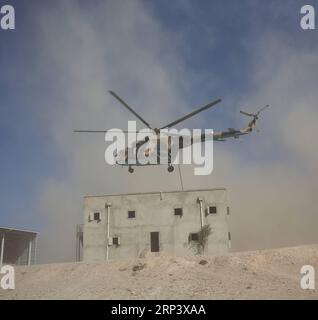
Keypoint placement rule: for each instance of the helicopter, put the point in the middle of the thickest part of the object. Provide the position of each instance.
(156, 134)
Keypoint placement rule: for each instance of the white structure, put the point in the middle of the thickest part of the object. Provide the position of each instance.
(133, 225)
(17, 247)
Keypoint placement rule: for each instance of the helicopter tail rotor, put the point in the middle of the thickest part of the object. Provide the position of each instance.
(254, 115)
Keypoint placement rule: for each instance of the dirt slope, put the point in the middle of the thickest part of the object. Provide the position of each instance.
(250, 275)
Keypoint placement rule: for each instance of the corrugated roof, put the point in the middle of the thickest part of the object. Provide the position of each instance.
(8, 229)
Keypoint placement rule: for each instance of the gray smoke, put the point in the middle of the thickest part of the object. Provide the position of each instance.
(271, 176)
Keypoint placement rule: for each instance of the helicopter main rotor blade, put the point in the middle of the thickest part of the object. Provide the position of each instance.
(104, 131)
(129, 108)
(211, 104)
(246, 113)
(90, 131)
(259, 111)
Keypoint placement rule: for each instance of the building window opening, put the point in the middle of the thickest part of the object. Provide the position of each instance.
(194, 237)
(131, 214)
(116, 241)
(97, 216)
(212, 210)
(178, 212)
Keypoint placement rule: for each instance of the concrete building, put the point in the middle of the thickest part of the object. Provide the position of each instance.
(134, 225)
(17, 247)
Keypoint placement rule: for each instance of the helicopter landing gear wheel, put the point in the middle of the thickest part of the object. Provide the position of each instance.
(130, 170)
(170, 168)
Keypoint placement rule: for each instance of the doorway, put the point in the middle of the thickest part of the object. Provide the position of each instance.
(154, 241)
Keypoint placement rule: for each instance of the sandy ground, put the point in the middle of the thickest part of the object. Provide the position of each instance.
(267, 274)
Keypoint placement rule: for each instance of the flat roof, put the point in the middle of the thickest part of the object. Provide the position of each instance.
(154, 192)
(8, 229)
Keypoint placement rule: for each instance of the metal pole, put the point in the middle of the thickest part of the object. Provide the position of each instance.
(30, 251)
(180, 175)
(202, 222)
(108, 228)
(77, 244)
(80, 248)
(2, 250)
(35, 247)
(201, 212)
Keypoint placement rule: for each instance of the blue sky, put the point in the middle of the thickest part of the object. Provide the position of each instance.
(217, 46)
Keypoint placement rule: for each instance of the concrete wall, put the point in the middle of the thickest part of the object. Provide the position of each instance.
(154, 213)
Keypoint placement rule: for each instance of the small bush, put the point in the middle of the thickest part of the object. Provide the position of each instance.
(203, 262)
(138, 267)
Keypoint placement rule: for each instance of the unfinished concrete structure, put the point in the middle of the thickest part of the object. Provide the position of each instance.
(133, 225)
(17, 247)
